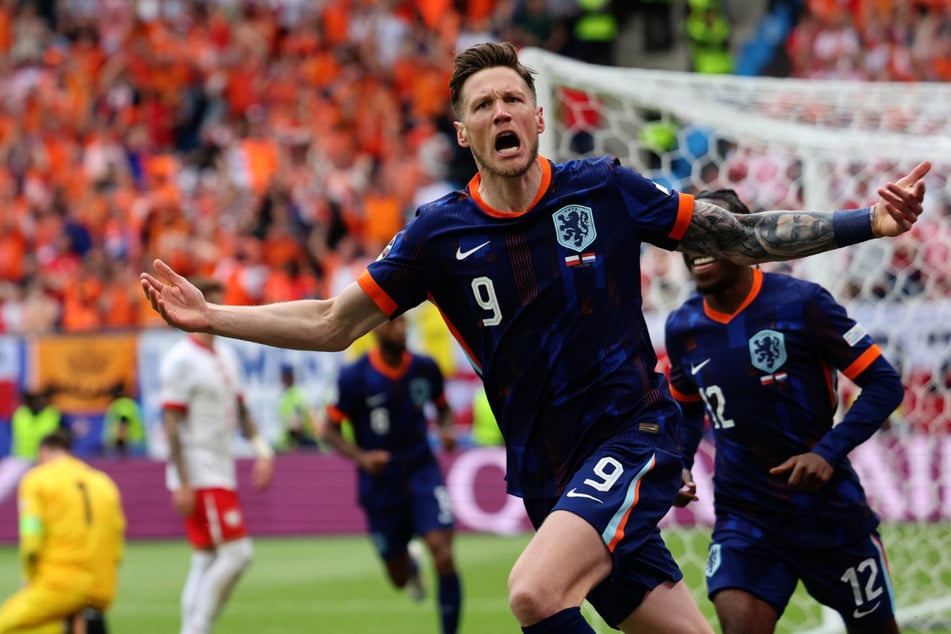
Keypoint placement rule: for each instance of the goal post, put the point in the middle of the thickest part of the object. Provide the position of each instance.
(814, 145)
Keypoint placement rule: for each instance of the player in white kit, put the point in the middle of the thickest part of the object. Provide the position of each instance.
(202, 404)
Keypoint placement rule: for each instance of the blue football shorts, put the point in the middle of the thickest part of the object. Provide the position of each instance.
(424, 507)
(623, 490)
(852, 579)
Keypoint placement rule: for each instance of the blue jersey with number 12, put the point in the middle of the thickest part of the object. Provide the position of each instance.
(767, 378)
(547, 305)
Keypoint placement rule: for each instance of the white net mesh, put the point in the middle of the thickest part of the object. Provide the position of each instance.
(822, 145)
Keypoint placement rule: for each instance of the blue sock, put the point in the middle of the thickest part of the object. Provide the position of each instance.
(568, 621)
(450, 601)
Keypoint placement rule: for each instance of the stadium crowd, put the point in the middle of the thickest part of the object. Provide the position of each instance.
(888, 40)
(276, 145)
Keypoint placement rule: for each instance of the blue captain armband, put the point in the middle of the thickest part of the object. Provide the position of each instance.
(852, 226)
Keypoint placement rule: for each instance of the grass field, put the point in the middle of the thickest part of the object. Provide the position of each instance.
(335, 585)
(295, 586)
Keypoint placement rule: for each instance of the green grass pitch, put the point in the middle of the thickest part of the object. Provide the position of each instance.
(304, 585)
(336, 585)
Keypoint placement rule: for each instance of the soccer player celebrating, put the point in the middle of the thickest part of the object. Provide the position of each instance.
(535, 268)
(202, 405)
(383, 395)
(72, 535)
(759, 352)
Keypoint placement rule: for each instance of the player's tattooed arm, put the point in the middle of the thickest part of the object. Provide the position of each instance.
(760, 237)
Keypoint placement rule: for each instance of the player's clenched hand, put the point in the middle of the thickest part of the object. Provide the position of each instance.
(688, 491)
(374, 461)
(262, 473)
(177, 300)
(183, 499)
(808, 472)
(900, 203)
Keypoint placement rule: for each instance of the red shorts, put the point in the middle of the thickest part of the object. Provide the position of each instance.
(217, 518)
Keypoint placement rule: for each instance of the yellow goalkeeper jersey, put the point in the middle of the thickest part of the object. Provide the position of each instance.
(72, 528)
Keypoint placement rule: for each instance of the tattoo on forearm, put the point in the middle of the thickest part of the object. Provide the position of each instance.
(760, 237)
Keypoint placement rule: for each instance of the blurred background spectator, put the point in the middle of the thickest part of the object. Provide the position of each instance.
(123, 429)
(296, 414)
(36, 417)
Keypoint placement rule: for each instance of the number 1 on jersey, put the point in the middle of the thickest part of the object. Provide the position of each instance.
(87, 505)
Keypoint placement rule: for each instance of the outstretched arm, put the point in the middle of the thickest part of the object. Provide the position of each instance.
(786, 235)
(327, 324)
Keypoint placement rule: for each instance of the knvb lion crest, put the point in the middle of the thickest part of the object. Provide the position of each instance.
(574, 226)
(713, 560)
(419, 392)
(768, 350)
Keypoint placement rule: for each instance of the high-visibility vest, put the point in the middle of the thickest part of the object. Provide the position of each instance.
(658, 136)
(709, 43)
(127, 408)
(29, 428)
(596, 24)
(485, 430)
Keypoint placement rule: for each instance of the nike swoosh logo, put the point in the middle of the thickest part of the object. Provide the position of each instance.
(574, 493)
(857, 614)
(696, 368)
(462, 255)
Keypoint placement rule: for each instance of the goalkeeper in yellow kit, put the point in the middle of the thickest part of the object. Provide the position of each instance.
(72, 532)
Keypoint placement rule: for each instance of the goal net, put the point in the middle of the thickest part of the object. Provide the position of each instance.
(819, 145)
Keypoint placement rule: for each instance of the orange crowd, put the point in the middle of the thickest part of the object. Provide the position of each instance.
(268, 144)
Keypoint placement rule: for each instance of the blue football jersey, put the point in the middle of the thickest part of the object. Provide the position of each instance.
(386, 407)
(767, 378)
(547, 305)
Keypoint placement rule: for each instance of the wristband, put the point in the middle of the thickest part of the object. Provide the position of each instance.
(261, 447)
(852, 226)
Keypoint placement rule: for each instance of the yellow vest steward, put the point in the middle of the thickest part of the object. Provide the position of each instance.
(29, 429)
(595, 26)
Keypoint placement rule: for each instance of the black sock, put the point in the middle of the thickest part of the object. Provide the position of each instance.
(450, 601)
(568, 621)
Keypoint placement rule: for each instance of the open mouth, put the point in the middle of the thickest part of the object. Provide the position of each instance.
(700, 260)
(507, 143)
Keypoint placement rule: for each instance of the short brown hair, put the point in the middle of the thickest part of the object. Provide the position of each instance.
(61, 439)
(481, 56)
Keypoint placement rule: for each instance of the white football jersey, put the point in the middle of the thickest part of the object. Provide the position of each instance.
(203, 383)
